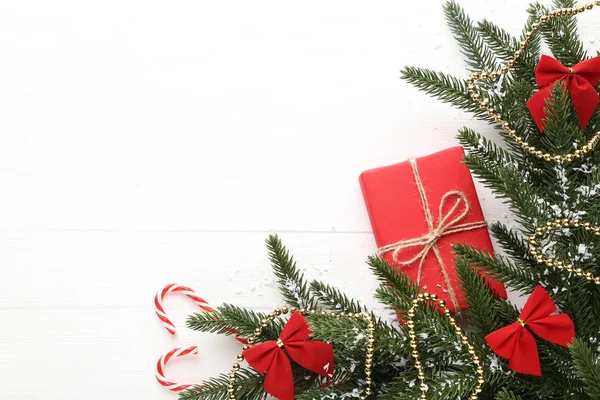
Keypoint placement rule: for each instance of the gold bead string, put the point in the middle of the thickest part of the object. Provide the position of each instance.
(485, 106)
(534, 246)
(425, 298)
(370, 347)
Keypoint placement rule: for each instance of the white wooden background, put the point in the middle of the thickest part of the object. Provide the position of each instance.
(145, 142)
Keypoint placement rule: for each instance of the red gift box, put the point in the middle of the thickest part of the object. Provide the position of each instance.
(418, 209)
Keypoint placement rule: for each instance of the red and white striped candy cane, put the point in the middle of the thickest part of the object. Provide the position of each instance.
(162, 361)
(176, 288)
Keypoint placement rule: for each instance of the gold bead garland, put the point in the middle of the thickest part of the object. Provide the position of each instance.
(370, 348)
(485, 106)
(534, 246)
(425, 298)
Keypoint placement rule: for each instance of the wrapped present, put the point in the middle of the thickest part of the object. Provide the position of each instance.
(418, 209)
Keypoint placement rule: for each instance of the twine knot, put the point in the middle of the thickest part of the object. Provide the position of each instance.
(448, 224)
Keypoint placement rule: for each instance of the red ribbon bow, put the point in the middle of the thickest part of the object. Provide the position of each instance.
(270, 358)
(581, 81)
(516, 343)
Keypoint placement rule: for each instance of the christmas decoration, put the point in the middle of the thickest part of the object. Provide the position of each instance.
(416, 241)
(551, 182)
(164, 359)
(270, 359)
(580, 80)
(516, 343)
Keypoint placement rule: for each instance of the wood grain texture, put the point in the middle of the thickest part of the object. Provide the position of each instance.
(146, 142)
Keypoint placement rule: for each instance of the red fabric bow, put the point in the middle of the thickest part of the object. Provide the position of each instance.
(581, 81)
(516, 343)
(270, 358)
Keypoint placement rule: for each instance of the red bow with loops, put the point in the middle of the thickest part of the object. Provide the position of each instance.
(581, 81)
(516, 343)
(270, 357)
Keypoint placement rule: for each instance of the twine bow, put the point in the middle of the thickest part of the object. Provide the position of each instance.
(446, 226)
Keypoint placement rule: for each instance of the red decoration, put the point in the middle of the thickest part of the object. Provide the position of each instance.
(270, 357)
(517, 344)
(398, 207)
(581, 81)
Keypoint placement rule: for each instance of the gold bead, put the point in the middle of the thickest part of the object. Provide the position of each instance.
(285, 310)
(251, 340)
(236, 367)
(240, 357)
(258, 331)
(535, 26)
(569, 267)
(589, 6)
(544, 19)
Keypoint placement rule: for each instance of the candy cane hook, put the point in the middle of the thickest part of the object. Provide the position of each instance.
(164, 359)
(176, 288)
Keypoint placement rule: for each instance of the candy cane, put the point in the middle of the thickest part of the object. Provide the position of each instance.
(164, 359)
(174, 287)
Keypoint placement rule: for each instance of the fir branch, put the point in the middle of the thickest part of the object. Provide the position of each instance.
(228, 319)
(396, 290)
(515, 275)
(484, 314)
(334, 298)
(442, 86)
(476, 143)
(478, 55)
(249, 386)
(506, 181)
(504, 46)
(512, 242)
(561, 36)
(506, 394)
(292, 284)
(585, 362)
